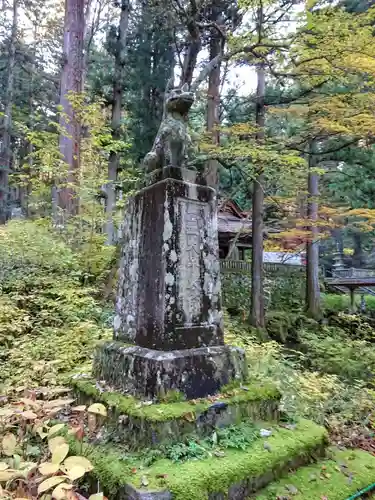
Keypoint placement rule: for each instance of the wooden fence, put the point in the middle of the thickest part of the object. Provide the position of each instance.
(241, 266)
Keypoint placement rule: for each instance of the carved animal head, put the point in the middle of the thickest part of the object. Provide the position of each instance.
(179, 100)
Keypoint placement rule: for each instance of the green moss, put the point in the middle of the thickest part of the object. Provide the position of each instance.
(195, 480)
(325, 478)
(163, 412)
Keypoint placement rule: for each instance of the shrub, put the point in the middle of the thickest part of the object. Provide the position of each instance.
(325, 398)
(49, 321)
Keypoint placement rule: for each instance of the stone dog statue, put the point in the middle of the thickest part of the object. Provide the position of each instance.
(172, 144)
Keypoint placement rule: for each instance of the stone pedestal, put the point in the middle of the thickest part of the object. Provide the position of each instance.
(168, 300)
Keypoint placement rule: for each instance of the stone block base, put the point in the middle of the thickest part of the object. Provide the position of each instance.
(234, 474)
(149, 374)
(136, 425)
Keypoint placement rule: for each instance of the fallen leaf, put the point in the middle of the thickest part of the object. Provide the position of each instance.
(60, 492)
(144, 481)
(9, 444)
(292, 489)
(29, 415)
(49, 405)
(7, 475)
(190, 417)
(32, 403)
(49, 483)
(219, 453)
(79, 409)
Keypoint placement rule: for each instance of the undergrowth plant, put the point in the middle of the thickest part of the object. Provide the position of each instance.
(50, 321)
(35, 460)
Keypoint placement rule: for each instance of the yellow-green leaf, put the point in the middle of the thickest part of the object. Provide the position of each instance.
(98, 409)
(76, 472)
(48, 468)
(9, 444)
(7, 475)
(60, 453)
(55, 443)
(55, 429)
(97, 496)
(59, 493)
(49, 483)
(74, 461)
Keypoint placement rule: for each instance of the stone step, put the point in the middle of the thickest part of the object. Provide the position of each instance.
(140, 424)
(233, 475)
(342, 475)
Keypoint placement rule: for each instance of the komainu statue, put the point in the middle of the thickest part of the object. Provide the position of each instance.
(172, 143)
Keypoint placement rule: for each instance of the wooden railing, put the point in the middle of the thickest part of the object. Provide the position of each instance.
(353, 272)
(241, 266)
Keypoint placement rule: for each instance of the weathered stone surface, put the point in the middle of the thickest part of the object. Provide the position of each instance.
(196, 372)
(169, 286)
(137, 425)
(172, 145)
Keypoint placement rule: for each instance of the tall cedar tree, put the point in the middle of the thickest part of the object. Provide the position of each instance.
(71, 83)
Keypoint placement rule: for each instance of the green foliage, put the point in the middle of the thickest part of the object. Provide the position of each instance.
(281, 290)
(237, 437)
(185, 451)
(331, 351)
(324, 381)
(31, 247)
(49, 321)
(335, 303)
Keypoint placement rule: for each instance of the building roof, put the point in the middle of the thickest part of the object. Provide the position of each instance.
(230, 224)
(232, 220)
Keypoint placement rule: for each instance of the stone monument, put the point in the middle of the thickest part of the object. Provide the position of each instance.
(168, 329)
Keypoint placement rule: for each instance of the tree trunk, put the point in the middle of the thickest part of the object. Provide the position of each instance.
(257, 293)
(312, 246)
(118, 84)
(257, 298)
(5, 151)
(71, 82)
(192, 52)
(357, 260)
(213, 99)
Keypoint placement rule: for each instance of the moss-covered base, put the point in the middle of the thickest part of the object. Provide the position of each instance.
(343, 475)
(234, 474)
(144, 425)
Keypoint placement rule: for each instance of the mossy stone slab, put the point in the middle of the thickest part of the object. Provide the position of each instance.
(145, 425)
(345, 473)
(235, 476)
